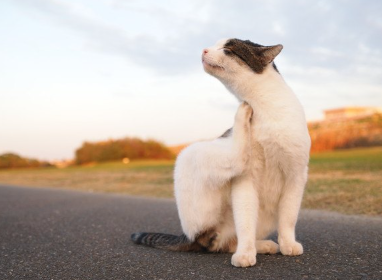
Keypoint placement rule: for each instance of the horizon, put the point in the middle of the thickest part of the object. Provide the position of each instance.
(370, 110)
(95, 70)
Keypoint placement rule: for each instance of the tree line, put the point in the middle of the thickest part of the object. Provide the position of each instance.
(11, 160)
(326, 136)
(131, 148)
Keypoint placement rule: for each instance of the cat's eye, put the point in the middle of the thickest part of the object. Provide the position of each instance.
(227, 51)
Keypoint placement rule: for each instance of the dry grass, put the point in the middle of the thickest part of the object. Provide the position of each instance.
(345, 181)
(149, 178)
(351, 195)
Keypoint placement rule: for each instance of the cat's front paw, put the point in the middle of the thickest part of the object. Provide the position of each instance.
(244, 113)
(291, 248)
(244, 259)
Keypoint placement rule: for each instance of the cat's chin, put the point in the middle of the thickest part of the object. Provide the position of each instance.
(207, 66)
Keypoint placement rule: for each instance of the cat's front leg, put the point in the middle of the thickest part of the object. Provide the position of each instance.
(289, 207)
(245, 209)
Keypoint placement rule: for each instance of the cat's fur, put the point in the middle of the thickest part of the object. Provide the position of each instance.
(265, 196)
(202, 184)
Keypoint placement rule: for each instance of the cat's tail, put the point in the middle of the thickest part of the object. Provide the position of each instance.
(168, 241)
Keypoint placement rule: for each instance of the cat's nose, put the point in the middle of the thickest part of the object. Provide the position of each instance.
(205, 51)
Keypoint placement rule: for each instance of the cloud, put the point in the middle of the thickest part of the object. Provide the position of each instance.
(332, 57)
(76, 18)
(145, 49)
(333, 36)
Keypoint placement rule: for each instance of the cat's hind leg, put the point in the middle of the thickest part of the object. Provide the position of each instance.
(215, 163)
(225, 236)
(266, 225)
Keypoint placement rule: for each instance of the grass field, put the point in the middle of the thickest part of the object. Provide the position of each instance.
(348, 181)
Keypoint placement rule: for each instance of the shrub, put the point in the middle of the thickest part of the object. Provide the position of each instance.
(10, 160)
(132, 148)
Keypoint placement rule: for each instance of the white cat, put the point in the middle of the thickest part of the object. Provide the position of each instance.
(267, 194)
(202, 183)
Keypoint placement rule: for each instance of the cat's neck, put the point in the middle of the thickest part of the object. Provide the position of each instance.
(265, 92)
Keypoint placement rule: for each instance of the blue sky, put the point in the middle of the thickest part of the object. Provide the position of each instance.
(74, 71)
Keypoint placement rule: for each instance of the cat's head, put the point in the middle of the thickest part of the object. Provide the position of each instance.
(229, 57)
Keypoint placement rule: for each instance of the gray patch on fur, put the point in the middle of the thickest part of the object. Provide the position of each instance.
(256, 56)
(226, 134)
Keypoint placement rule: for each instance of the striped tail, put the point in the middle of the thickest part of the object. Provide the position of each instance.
(168, 242)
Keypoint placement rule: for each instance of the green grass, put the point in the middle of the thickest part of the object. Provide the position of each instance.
(365, 159)
(347, 181)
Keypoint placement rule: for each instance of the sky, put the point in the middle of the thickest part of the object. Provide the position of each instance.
(92, 70)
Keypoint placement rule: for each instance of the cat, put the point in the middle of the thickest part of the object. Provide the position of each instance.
(202, 186)
(267, 195)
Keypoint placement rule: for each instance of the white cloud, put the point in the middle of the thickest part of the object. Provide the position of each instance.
(331, 57)
(325, 34)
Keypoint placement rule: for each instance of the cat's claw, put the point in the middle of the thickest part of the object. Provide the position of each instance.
(244, 259)
(291, 249)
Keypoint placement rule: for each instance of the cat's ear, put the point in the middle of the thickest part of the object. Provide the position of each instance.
(269, 53)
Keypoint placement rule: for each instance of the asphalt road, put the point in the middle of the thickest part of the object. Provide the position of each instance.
(62, 234)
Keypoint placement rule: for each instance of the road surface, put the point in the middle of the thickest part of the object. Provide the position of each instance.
(62, 234)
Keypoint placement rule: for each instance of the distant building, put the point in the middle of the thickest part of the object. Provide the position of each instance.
(62, 163)
(350, 113)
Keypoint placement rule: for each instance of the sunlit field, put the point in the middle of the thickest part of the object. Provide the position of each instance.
(148, 178)
(348, 181)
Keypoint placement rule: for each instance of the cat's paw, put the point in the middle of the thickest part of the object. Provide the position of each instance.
(244, 259)
(267, 247)
(291, 248)
(244, 113)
